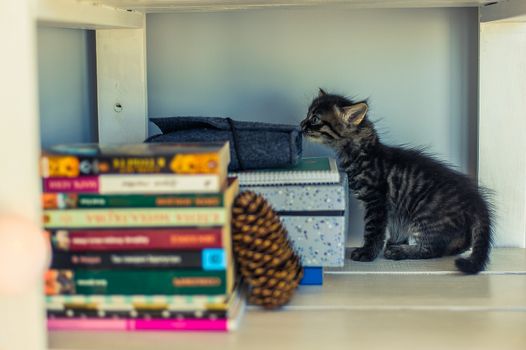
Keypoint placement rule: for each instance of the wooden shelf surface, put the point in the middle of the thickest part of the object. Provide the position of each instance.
(222, 5)
(118, 14)
(370, 311)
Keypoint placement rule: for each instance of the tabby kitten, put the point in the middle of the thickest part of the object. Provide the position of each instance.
(406, 193)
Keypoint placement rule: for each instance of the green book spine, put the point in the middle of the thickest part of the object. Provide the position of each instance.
(74, 200)
(131, 282)
(139, 217)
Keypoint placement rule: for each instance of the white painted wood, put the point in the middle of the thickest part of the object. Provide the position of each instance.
(21, 316)
(121, 85)
(502, 145)
(373, 312)
(511, 261)
(84, 14)
(505, 10)
(225, 5)
(334, 329)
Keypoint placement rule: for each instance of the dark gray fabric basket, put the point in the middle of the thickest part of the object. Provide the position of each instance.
(253, 145)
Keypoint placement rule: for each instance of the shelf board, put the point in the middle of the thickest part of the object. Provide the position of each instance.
(112, 14)
(333, 329)
(377, 311)
(153, 6)
(504, 11)
(86, 15)
(503, 261)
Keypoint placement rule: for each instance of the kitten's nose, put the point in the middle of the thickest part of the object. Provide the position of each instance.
(303, 124)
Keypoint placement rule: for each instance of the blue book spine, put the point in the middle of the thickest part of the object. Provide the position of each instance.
(312, 276)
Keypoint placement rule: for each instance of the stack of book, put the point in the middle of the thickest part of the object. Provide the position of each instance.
(140, 237)
(311, 199)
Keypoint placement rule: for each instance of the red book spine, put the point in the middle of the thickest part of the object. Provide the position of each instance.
(87, 184)
(100, 240)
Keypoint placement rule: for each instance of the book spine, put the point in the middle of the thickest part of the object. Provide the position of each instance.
(135, 184)
(88, 184)
(83, 200)
(130, 282)
(157, 217)
(137, 325)
(115, 301)
(74, 166)
(206, 259)
(76, 324)
(130, 239)
(174, 324)
(312, 276)
(136, 314)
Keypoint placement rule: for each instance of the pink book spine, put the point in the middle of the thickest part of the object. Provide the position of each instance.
(87, 184)
(59, 324)
(174, 324)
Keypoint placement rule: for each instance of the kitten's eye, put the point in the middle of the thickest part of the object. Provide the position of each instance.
(315, 120)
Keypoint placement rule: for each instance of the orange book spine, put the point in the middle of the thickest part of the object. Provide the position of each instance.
(74, 166)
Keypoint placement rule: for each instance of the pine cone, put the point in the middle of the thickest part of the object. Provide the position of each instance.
(263, 252)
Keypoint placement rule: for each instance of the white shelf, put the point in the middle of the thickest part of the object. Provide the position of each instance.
(86, 15)
(108, 14)
(113, 14)
(125, 50)
(506, 11)
(376, 311)
(225, 5)
(328, 329)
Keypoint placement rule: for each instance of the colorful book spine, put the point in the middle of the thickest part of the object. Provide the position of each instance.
(136, 314)
(97, 324)
(136, 184)
(73, 166)
(130, 302)
(85, 200)
(147, 217)
(130, 282)
(136, 239)
(206, 259)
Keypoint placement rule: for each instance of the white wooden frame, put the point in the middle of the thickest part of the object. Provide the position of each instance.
(121, 85)
(86, 15)
(152, 6)
(21, 316)
(502, 116)
(504, 11)
(121, 63)
(121, 71)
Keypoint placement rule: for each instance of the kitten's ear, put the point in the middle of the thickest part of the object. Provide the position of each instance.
(321, 93)
(354, 114)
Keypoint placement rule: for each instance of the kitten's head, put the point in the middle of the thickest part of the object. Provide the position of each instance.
(334, 120)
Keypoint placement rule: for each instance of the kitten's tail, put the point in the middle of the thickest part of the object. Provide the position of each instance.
(481, 241)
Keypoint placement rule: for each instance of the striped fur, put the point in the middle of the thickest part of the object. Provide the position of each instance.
(408, 195)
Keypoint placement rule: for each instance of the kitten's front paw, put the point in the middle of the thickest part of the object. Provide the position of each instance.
(363, 254)
(394, 252)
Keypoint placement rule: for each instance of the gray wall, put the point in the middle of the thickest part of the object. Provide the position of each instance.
(67, 94)
(418, 67)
